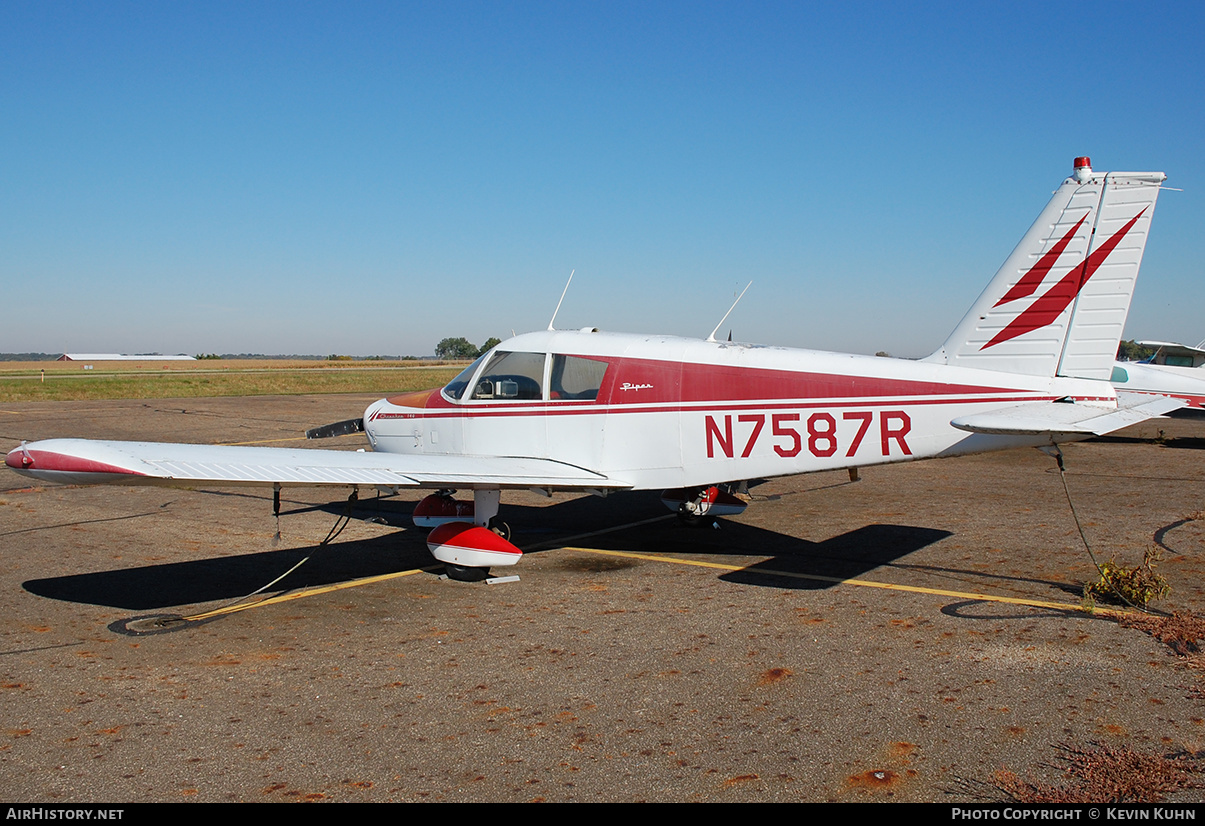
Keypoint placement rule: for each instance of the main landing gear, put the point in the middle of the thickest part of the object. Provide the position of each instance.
(465, 573)
(467, 548)
(696, 505)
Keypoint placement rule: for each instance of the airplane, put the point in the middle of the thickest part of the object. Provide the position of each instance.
(1174, 370)
(584, 410)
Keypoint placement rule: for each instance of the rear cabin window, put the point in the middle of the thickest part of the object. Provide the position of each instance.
(511, 377)
(574, 378)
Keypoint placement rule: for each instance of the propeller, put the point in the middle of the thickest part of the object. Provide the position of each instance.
(342, 428)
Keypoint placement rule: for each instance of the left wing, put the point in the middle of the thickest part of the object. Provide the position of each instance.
(89, 462)
(1067, 421)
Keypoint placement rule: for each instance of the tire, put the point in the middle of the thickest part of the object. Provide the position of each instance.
(465, 573)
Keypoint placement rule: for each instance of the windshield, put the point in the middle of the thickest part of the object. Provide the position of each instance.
(456, 387)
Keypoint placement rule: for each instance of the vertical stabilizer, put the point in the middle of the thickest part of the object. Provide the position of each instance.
(1059, 303)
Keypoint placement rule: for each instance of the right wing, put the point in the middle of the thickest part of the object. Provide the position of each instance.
(90, 462)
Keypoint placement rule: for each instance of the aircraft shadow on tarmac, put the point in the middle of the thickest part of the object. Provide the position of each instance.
(783, 561)
(793, 563)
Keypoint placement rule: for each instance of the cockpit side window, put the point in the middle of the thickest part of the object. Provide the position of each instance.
(511, 377)
(574, 378)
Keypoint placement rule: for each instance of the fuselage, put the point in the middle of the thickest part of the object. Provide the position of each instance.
(666, 412)
(1187, 383)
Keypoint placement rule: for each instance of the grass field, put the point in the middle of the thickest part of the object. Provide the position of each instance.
(65, 380)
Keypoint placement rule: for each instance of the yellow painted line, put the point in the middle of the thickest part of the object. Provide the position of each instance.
(264, 441)
(865, 583)
(309, 592)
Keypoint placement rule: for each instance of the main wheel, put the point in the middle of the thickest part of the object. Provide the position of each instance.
(465, 573)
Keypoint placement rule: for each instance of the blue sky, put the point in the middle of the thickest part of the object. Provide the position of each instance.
(367, 178)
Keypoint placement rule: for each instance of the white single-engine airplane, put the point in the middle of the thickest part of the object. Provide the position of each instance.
(1175, 370)
(1029, 365)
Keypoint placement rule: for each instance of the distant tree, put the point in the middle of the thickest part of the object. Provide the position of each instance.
(1133, 351)
(455, 348)
(29, 356)
(490, 344)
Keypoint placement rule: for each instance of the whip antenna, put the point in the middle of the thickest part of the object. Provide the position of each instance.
(730, 309)
(558, 304)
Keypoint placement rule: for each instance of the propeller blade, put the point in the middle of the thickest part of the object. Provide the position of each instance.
(336, 429)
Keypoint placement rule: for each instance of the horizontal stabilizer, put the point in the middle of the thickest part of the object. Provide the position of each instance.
(1067, 420)
(88, 462)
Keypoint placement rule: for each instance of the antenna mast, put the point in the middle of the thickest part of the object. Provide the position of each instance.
(730, 309)
(558, 304)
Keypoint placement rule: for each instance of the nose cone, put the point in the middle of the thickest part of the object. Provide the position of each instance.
(398, 427)
(370, 421)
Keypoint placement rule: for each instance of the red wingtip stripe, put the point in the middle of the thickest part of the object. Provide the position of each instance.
(45, 460)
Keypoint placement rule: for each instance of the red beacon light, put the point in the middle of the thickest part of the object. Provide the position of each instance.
(1083, 169)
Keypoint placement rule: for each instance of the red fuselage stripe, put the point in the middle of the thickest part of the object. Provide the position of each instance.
(552, 408)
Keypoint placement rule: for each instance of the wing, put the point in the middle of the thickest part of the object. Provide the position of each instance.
(1067, 421)
(89, 462)
(1174, 348)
